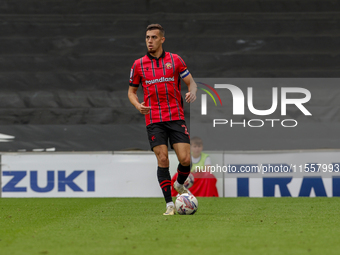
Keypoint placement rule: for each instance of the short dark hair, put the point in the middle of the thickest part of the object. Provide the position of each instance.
(156, 26)
(196, 140)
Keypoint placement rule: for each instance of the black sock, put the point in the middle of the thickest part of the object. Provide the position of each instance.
(164, 180)
(183, 172)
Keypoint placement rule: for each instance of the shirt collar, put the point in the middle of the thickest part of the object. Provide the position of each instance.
(152, 57)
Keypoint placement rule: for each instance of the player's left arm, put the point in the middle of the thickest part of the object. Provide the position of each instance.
(190, 96)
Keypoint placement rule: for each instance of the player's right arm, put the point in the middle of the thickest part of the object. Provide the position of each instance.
(132, 94)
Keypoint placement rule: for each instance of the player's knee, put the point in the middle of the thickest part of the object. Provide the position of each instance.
(185, 161)
(163, 160)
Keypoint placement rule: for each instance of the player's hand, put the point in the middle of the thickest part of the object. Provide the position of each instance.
(143, 109)
(190, 97)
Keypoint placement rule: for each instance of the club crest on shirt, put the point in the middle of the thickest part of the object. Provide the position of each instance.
(168, 65)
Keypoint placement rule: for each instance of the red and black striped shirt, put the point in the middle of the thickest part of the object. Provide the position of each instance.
(160, 79)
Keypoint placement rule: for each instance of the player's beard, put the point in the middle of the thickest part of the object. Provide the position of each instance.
(152, 51)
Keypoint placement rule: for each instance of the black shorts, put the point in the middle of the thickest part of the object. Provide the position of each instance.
(169, 131)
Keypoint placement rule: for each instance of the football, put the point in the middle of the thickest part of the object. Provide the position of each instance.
(189, 181)
(186, 204)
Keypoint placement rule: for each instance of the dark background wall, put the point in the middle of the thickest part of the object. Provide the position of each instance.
(64, 65)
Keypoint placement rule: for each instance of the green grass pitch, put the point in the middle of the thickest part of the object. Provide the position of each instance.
(137, 226)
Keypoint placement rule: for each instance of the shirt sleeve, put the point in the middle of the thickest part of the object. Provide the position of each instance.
(183, 69)
(134, 76)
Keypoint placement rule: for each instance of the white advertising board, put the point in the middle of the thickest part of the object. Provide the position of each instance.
(79, 175)
(276, 174)
(133, 174)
